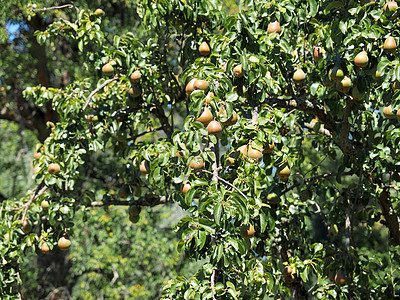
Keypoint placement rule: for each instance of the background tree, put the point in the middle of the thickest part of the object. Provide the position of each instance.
(259, 123)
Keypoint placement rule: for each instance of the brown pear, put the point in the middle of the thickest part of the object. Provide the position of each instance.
(64, 243)
(344, 85)
(190, 86)
(247, 231)
(232, 120)
(340, 277)
(201, 85)
(135, 91)
(214, 127)
(318, 53)
(45, 247)
(54, 168)
(204, 49)
(27, 226)
(99, 12)
(388, 112)
(269, 148)
(186, 187)
(238, 71)
(284, 173)
(144, 167)
(390, 7)
(197, 163)
(243, 149)
(390, 44)
(108, 69)
(361, 60)
(206, 116)
(135, 77)
(274, 27)
(299, 76)
(254, 153)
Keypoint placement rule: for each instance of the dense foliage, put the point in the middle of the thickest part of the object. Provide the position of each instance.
(274, 127)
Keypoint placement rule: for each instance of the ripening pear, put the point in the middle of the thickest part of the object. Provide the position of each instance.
(64, 243)
(214, 128)
(361, 59)
(337, 73)
(390, 44)
(247, 231)
(284, 173)
(135, 77)
(274, 27)
(204, 49)
(390, 7)
(344, 85)
(201, 85)
(206, 116)
(318, 53)
(190, 86)
(340, 277)
(238, 71)
(197, 163)
(108, 69)
(144, 167)
(299, 76)
(388, 112)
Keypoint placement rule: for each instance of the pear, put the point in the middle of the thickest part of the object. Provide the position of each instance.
(247, 231)
(318, 53)
(197, 163)
(232, 120)
(204, 49)
(135, 91)
(390, 7)
(344, 85)
(238, 71)
(274, 27)
(201, 85)
(396, 85)
(337, 73)
(206, 116)
(214, 128)
(186, 187)
(299, 76)
(190, 86)
(284, 173)
(388, 112)
(253, 153)
(144, 167)
(108, 69)
(340, 277)
(390, 44)
(269, 148)
(361, 59)
(135, 77)
(64, 243)
(99, 12)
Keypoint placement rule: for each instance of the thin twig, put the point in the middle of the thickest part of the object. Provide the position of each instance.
(54, 7)
(38, 192)
(314, 178)
(98, 89)
(213, 283)
(228, 183)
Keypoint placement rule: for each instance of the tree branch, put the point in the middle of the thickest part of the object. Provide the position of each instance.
(227, 183)
(392, 221)
(107, 82)
(150, 202)
(303, 104)
(54, 7)
(312, 179)
(38, 192)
